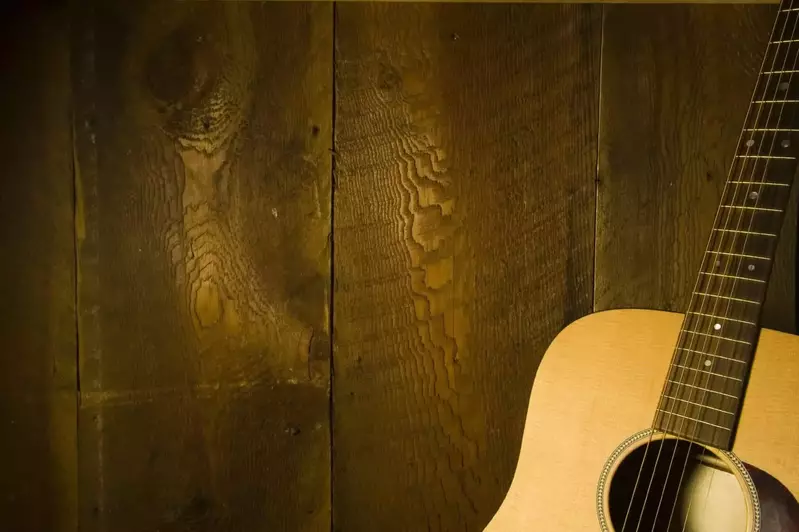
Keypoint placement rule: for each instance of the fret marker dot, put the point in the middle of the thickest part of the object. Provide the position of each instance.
(751, 267)
(750, 143)
(718, 264)
(783, 86)
(707, 363)
(785, 143)
(717, 326)
(753, 195)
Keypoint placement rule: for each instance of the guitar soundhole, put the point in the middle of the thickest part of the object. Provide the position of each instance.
(671, 485)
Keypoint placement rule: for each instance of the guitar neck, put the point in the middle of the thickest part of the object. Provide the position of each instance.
(706, 382)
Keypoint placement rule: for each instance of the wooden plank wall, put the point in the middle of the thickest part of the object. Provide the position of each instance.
(464, 207)
(37, 274)
(204, 171)
(500, 171)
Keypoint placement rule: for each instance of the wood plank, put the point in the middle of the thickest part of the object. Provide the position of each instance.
(464, 212)
(676, 84)
(38, 406)
(204, 133)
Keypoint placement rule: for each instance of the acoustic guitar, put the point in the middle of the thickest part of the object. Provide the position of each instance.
(653, 421)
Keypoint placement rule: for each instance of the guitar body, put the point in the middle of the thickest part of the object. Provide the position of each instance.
(599, 384)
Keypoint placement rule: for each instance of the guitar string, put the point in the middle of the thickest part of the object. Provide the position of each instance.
(750, 182)
(764, 87)
(668, 419)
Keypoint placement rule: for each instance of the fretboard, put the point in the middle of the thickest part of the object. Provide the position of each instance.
(707, 378)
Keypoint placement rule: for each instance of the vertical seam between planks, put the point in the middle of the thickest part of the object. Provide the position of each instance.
(86, 228)
(597, 177)
(331, 302)
(78, 19)
(75, 242)
(75, 291)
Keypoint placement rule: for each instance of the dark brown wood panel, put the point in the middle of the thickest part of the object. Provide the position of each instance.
(676, 82)
(38, 401)
(464, 225)
(204, 168)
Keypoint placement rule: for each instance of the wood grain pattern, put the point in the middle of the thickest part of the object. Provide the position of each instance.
(567, 434)
(38, 405)
(464, 208)
(676, 84)
(204, 135)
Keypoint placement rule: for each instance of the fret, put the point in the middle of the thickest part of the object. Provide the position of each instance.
(695, 420)
(736, 277)
(751, 207)
(693, 393)
(717, 292)
(780, 55)
(785, 157)
(699, 405)
(742, 255)
(771, 86)
(718, 337)
(756, 193)
(773, 112)
(716, 392)
(714, 318)
(725, 380)
(766, 168)
(742, 232)
(760, 183)
(695, 431)
(714, 282)
(708, 395)
(722, 321)
(721, 261)
(715, 381)
(750, 213)
(706, 372)
(719, 386)
(712, 355)
(719, 375)
(735, 244)
(747, 208)
(735, 250)
(735, 310)
(727, 297)
(734, 274)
